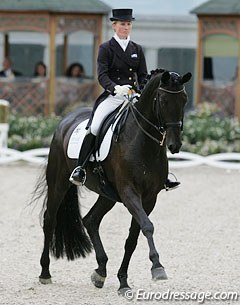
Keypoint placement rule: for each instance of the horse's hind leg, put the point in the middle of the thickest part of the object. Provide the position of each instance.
(49, 224)
(57, 187)
(92, 222)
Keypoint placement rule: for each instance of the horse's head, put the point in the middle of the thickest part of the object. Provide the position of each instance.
(170, 103)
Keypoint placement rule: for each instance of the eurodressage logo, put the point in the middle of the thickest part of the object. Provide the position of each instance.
(168, 295)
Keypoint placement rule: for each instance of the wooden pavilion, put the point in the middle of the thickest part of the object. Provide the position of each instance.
(218, 54)
(51, 17)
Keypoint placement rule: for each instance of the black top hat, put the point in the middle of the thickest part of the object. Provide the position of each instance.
(122, 14)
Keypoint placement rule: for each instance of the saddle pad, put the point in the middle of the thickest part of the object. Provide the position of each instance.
(76, 139)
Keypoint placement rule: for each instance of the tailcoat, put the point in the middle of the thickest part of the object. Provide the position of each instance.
(118, 67)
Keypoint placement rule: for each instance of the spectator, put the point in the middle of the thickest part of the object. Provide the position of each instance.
(7, 69)
(75, 70)
(40, 69)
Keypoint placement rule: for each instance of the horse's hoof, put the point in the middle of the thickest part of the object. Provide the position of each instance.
(126, 292)
(97, 280)
(159, 274)
(45, 281)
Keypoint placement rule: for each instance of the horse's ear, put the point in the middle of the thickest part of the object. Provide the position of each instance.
(186, 77)
(165, 77)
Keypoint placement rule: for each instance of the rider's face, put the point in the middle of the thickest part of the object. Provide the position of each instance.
(122, 28)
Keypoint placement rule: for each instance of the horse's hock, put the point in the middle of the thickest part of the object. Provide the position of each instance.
(4, 114)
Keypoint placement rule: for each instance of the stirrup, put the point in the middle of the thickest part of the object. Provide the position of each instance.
(77, 170)
(171, 185)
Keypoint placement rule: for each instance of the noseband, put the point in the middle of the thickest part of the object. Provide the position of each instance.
(161, 129)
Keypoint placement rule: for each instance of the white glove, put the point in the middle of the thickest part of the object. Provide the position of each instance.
(122, 90)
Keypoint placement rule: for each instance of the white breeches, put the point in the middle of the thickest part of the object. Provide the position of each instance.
(102, 111)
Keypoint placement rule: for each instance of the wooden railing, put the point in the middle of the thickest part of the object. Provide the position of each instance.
(223, 96)
(29, 96)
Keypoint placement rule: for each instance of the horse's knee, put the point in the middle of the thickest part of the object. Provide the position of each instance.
(148, 229)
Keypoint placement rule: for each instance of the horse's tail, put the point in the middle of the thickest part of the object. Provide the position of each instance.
(69, 237)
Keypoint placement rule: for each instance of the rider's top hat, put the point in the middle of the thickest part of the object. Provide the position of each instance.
(122, 14)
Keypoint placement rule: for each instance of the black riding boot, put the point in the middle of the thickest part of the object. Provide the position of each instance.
(171, 185)
(78, 175)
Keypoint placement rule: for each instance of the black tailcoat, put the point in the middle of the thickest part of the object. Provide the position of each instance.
(118, 67)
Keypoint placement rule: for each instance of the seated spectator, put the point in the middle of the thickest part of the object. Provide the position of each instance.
(7, 69)
(75, 70)
(40, 69)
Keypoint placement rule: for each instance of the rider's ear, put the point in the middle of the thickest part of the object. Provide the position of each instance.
(186, 77)
(165, 77)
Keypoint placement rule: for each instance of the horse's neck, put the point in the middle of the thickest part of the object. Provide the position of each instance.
(145, 106)
(142, 128)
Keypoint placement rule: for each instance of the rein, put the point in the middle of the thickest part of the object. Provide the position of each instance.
(161, 130)
(158, 129)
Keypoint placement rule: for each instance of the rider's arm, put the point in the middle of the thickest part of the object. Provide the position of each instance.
(103, 62)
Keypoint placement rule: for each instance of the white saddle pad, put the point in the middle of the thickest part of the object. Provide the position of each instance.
(76, 139)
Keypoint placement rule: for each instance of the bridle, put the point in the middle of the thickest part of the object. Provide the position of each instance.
(162, 128)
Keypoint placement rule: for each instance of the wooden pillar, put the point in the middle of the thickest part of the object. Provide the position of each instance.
(237, 89)
(97, 42)
(6, 45)
(52, 64)
(199, 64)
(65, 53)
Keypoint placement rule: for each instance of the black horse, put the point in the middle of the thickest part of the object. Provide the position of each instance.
(136, 167)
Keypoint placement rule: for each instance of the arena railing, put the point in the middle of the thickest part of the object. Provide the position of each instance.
(180, 160)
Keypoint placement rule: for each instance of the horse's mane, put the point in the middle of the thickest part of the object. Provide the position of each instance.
(148, 79)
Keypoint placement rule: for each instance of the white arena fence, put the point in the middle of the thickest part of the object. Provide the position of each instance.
(180, 160)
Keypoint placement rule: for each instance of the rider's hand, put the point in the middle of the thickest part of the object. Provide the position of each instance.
(122, 90)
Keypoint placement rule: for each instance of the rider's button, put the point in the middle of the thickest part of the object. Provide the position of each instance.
(130, 69)
(118, 78)
(130, 78)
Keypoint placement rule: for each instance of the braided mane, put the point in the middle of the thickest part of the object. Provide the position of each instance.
(152, 74)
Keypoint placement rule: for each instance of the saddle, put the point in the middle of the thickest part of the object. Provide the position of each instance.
(115, 120)
(119, 116)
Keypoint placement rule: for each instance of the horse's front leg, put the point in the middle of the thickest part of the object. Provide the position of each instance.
(130, 247)
(133, 203)
(92, 222)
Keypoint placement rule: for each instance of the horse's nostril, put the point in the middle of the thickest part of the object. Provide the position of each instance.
(174, 148)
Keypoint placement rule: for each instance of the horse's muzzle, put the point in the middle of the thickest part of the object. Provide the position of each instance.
(174, 142)
(174, 148)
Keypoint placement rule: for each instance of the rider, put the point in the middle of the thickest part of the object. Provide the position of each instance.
(121, 66)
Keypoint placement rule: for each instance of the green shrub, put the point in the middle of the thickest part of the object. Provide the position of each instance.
(205, 131)
(31, 132)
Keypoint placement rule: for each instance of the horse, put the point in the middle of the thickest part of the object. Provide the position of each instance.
(136, 167)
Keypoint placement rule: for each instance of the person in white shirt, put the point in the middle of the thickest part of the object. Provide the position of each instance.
(7, 69)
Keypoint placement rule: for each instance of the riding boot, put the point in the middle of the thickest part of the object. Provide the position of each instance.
(171, 185)
(78, 176)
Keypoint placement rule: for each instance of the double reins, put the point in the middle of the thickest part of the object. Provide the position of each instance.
(160, 129)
